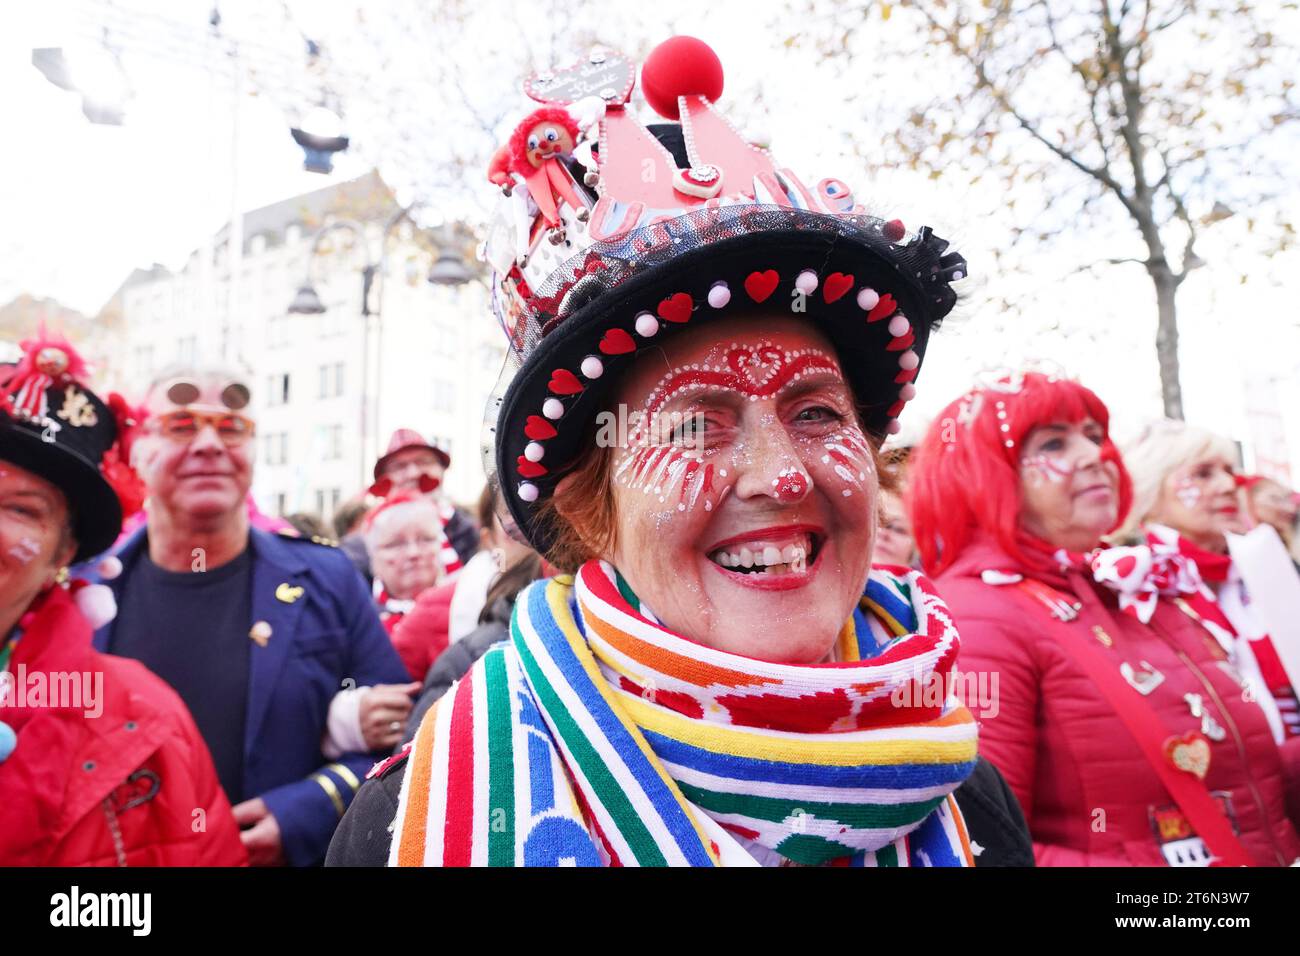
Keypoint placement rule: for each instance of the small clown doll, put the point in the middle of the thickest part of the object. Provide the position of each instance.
(533, 155)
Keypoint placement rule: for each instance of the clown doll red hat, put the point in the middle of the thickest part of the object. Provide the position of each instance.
(594, 260)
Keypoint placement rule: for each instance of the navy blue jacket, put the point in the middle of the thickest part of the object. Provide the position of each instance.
(323, 639)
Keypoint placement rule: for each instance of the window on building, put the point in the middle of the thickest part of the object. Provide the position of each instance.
(444, 397)
(330, 380)
(327, 501)
(277, 389)
(277, 448)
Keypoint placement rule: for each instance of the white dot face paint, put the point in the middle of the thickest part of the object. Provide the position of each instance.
(745, 441)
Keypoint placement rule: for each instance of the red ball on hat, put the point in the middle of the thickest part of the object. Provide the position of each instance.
(680, 66)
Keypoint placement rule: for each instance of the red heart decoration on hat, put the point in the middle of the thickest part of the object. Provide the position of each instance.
(538, 428)
(896, 409)
(676, 308)
(530, 469)
(836, 284)
(564, 382)
(884, 308)
(901, 342)
(905, 376)
(617, 342)
(760, 285)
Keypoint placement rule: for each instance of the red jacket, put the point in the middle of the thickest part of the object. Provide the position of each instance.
(117, 774)
(422, 633)
(1089, 795)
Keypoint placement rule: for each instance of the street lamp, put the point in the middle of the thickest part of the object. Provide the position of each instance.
(449, 270)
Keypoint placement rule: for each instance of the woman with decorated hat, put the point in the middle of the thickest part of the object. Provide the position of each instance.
(1121, 724)
(100, 762)
(706, 356)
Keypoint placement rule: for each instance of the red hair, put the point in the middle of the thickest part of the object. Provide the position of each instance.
(964, 478)
(519, 138)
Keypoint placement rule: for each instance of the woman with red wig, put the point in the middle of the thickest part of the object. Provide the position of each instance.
(1113, 712)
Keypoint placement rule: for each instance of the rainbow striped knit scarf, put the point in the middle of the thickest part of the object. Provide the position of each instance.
(597, 737)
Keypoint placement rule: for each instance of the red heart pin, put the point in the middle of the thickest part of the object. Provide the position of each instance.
(564, 382)
(884, 308)
(538, 428)
(530, 469)
(1189, 752)
(617, 342)
(836, 284)
(901, 342)
(675, 308)
(760, 285)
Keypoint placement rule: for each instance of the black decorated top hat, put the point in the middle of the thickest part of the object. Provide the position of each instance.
(613, 235)
(52, 425)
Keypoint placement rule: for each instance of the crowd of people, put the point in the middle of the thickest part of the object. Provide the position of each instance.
(752, 629)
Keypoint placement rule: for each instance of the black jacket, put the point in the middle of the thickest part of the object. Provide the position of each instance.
(996, 826)
(453, 663)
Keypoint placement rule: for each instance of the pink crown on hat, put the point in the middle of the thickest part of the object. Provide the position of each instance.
(585, 169)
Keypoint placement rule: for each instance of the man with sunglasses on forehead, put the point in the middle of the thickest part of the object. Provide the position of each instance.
(256, 631)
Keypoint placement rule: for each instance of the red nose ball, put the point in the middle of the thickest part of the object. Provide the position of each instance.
(680, 66)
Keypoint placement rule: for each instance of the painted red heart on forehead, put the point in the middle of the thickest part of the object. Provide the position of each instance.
(755, 365)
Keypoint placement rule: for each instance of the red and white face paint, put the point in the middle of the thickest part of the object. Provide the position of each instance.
(1200, 502)
(33, 515)
(745, 493)
(1069, 492)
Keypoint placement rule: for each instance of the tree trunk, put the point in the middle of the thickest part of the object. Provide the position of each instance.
(1167, 338)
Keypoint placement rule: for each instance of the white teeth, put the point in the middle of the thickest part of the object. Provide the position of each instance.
(790, 558)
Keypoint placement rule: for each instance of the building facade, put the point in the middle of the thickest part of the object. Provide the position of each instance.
(328, 389)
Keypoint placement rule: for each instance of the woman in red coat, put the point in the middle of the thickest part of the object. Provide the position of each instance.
(100, 762)
(1108, 705)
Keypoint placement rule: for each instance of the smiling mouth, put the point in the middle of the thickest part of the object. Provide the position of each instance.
(769, 555)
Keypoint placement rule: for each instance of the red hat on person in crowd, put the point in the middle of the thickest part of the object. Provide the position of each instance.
(403, 439)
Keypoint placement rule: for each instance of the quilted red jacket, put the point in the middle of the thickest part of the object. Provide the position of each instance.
(422, 633)
(1089, 795)
(117, 774)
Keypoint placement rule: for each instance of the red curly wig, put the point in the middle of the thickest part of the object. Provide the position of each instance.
(965, 480)
(519, 138)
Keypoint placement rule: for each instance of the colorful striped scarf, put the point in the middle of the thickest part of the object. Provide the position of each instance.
(597, 737)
